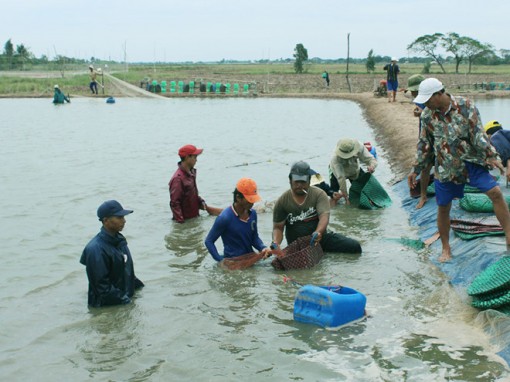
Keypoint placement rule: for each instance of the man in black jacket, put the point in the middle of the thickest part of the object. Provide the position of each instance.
(108, 262)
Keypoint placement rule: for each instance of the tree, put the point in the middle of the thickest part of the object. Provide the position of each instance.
(473, 49)
(9, 53)
(453, 43)
(300, 55)
(428, 44)
(370, 61)
(23, 55)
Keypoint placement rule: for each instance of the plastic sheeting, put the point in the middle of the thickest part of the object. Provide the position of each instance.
(469, 258)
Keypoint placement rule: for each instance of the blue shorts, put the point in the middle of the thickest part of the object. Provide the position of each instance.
(392, 86)
(479, 177)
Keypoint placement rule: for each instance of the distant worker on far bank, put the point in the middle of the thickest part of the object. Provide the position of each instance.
(93, 79)
(325, 75)
(392, 70)
(59, 97)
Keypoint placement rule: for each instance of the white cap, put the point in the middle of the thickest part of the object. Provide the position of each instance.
(91, 67)
(394, 59)
(56, 86)
(428, 87)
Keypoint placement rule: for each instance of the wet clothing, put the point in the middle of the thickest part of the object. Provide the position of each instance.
(343, 169)
(501, 141)
(302, 220)
(185, 202)
(110, 270)
(239, 237)
(450, 140)
(59, 97)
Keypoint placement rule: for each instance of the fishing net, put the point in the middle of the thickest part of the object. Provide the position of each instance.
(494, 278)
(468, 229)
(241, 262)
(367, 193)
(478, 203)
(298, 255)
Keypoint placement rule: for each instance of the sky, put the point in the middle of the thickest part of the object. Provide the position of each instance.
(212, 30)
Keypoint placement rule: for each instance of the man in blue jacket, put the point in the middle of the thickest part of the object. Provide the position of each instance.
(108, 262)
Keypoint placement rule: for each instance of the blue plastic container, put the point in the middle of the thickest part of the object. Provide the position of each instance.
(110, 100)
(328, 306)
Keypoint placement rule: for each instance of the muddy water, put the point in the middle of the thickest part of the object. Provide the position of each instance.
(194, 321)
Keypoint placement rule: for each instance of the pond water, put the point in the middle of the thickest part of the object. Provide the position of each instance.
(193, 320)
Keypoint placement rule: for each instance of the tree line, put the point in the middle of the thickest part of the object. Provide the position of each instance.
(460, 49)
(449, 48)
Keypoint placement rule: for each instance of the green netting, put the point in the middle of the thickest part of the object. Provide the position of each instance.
(492, 303)
(411, 243)
(478, 203)
(367, 193)
(494, 278)
(471, 236)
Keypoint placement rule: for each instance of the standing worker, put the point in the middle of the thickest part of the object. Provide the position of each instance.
(325, 75)
(392, 70)
(93, 79)
(452, 138)
(185, 202)
(107, 259)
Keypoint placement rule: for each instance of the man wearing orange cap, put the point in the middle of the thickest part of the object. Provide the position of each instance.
(185, 202)
(237, 225)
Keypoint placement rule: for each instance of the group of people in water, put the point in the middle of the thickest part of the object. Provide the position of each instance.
(302, 210)
(452, 140)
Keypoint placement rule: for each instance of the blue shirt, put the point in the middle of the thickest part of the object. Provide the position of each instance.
(501, 141)
(238, 236)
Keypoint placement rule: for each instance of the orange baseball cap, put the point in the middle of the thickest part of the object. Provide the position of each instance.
(248, 188)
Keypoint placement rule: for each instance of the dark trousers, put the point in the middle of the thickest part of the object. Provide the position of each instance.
(93, 87)
(335, 242)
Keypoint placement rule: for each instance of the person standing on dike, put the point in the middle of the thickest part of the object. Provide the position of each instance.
(185, 202)
(392, 70)
(452, 138)
(237, 225)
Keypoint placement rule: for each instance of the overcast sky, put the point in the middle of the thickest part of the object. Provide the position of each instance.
(212, 30)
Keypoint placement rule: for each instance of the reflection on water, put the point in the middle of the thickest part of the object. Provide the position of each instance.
(194, 320)
(111, 337)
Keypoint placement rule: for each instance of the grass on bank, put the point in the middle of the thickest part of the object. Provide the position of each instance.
(38, 83)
